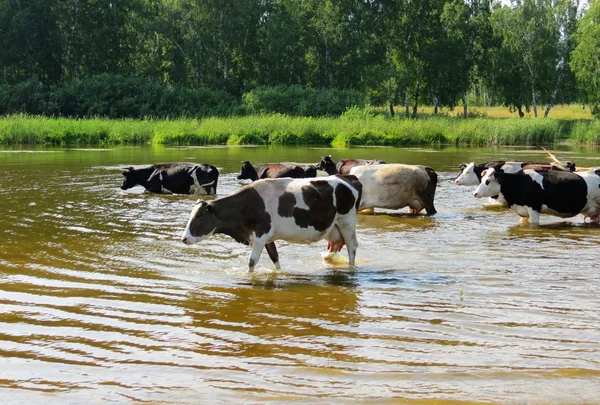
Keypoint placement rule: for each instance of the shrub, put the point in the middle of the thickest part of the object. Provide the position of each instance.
(296, 100)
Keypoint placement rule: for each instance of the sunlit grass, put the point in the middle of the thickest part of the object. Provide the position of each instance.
(352, 129)
(562, 112)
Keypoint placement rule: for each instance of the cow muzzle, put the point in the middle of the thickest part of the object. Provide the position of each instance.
(186, 240)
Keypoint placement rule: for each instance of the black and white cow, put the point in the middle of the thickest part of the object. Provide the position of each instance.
(295, 210)
(471, 173)
(176, 178)
(530, 193)
(343, 166)
(396, 186)
(276, 171)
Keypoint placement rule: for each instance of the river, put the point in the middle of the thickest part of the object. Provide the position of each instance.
(100, 302)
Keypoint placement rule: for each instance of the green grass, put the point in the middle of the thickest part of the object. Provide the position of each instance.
(351, 129)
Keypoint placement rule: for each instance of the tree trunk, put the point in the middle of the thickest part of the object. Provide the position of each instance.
(533, 99)
(548, 110)
(520, 109)
(407, 102)
(435, 105)
(415, 107)
(464, 101)
(391, 74)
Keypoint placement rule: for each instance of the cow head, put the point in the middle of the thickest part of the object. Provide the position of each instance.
(467, 177)
(490, 184)
(327, 165)
(130, 178)
(203, 223)
(247, 171)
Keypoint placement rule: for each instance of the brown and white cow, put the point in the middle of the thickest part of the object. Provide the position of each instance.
(396, 186)
(294, 210)
(343, 166)
(276, 171)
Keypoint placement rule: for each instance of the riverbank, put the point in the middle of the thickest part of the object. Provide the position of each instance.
(348, 130)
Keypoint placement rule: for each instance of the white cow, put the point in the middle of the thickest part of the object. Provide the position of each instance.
(396, 186)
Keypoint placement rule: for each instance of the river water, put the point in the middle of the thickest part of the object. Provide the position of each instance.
(100, 302)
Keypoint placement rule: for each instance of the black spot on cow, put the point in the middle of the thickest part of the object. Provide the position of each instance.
(238, 216)
(287, 202)
(563, 192)
(318, 196)
(344, 197)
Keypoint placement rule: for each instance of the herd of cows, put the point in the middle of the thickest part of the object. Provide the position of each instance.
(289, 202)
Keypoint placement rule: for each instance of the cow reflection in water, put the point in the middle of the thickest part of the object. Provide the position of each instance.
(278, 318)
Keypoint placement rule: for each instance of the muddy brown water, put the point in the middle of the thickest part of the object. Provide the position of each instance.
(101, 303)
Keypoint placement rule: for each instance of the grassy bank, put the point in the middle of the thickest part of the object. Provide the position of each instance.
(348, 130)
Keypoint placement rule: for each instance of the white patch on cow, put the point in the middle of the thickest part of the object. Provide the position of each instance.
(489, 186)
(511, 167)
(520, 210)
(592, 180)
(198, 188)
(535, 176)
(468, 176)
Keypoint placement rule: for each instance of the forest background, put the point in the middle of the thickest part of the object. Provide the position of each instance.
(245, 60)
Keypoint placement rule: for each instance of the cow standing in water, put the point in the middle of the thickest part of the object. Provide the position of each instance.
(343, 166)
(471, 173)
(294, 210)
(176, 178)
(396, 186)
(530, 193)
(276, 171)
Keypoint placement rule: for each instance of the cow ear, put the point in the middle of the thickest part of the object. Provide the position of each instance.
(483, 173)
(463, 166)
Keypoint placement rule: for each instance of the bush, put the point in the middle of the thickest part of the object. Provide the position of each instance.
(300, 101)
(25, 97)
(115, 96)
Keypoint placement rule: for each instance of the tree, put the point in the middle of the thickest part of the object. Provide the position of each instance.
(30, 42)
(585, 59)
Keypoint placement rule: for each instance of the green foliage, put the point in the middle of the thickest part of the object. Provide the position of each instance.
(357, 130)
(585, 56)
(114, 96)
(586, 133)
(300, 101)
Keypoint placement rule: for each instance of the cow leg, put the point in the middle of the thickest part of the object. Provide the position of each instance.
(257, 248)
(534, 216)
(349, 234)
(426, 202)
(272, 251)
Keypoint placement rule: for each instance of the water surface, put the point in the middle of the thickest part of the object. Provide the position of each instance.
(100, 301)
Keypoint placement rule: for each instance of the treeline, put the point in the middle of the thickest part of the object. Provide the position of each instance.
(130, 58)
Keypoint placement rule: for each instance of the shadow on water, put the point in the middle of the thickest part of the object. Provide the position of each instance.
(575, 231)
(391, 220)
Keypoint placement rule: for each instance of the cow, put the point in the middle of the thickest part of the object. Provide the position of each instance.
(396, 186)
(276, 171)
(176, 178)
(343, 166)
(530, 193)
(295, 210)
(471, 173)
